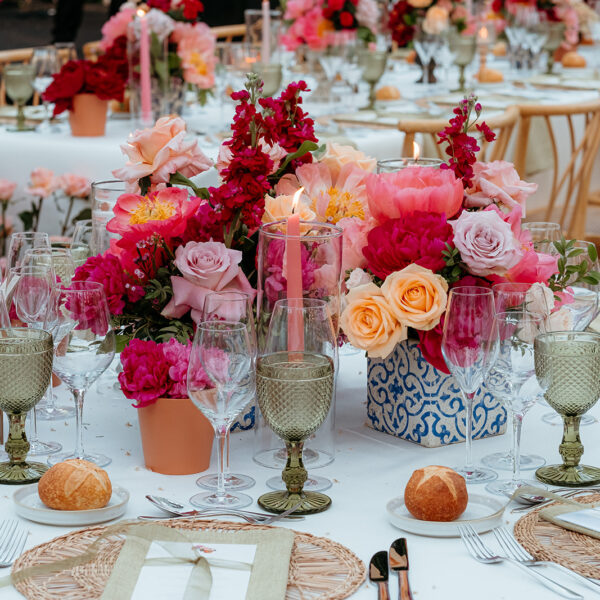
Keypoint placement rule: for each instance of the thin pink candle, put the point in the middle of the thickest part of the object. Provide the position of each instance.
(145, 87)
(294, 278)
(266, 32)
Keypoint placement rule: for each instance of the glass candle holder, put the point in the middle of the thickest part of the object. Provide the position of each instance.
(253, 18)
(392, 165)
(104, 198)
(321, 255)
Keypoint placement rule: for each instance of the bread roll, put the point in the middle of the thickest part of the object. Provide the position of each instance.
(572, 60)
(388, 92)
(75, 485)
(488, 75)
(436, 493)
(499, 49)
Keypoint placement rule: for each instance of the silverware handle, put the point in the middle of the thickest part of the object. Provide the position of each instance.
(383, 590)
(405, 593)
(580, 578)
(556, 587)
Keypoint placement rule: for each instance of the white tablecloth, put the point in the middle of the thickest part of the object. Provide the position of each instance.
(370, 469)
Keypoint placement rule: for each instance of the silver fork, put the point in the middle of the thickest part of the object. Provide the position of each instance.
(12, 541)
(510, 545)
(480, 552)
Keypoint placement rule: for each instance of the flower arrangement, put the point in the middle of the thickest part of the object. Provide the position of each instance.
(323, 23)
(429, 230)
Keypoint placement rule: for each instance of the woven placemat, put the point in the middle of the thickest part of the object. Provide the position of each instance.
(546, 541)
(320, 569)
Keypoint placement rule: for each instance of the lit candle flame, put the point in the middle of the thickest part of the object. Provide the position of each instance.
(141, 12)
(296, 199)
(483, 33)
(416, 151)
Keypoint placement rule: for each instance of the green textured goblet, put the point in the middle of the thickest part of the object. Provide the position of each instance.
(373, 64)
(25, 368)
(556, 35)
(271, 75)
(567, 365)
(464, 48)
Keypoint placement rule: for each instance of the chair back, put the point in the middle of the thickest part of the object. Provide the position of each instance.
(226, 33)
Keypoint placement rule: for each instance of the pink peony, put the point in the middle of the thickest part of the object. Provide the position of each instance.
(7, 189)
(196, 49)
(354, 241)
(116, 26)
(498, 182)
(486, 243)
(160, 151)
(205, 267)
(178, 357)
(42, 182)
(427, 189)
(75, 186)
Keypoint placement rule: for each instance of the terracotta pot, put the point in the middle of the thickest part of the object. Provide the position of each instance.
(176, 437)
(88, 116)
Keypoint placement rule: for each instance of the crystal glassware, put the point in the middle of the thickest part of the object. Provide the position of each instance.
(45, 62)
(21, 242)
(295, 375)
(567, 365)
(271, 75)
(18, 79)
(81, 243)
(393, 165)
(469, 344)
(84, 346)
(104, 198)
(512, 379)
(543, 234)
(464, 48)
(239, 306)
(222, 352)
(25, 367)
(373, 63)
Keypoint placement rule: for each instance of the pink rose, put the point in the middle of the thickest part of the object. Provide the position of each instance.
(42, 182)
(160, 151)
(354, 241)
(75, 186)
(486, 243)
(7, 189)
(205, 267)
(116, 26)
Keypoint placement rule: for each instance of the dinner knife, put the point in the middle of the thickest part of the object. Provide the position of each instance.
(378, 573)
(399, 563)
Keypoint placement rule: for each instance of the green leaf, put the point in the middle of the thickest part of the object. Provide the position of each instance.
(306, 146)
(27, 219)
(575, 252)
(83, 215)
(121, 341)
(162, 70)
(590, 280)
(144, 183)
(179, 179)
(593, 252)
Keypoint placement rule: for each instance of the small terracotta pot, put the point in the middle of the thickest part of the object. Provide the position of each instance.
(88, 116)
(176, 437)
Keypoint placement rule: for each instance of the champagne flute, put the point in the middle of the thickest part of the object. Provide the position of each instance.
(236, 306)
(45, 63)
(84, 346)
(18, 79)
(469, 345)
(295, 386)
(512, 378)
(21, 242)
(221, 351)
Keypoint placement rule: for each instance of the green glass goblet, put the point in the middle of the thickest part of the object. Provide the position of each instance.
(19, 87)
(25, 368)
(271, 75)
(463, 47)
(567, 365)
(373, 65)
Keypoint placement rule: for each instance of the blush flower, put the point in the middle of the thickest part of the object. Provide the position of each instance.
(42, 182)
(7, 189)
(196, 49)
(337, 155)
(75, 186)
(116, 26)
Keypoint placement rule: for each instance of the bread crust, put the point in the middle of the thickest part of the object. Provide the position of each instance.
(573, 60)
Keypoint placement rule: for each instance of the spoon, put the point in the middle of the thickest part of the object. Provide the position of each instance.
(528, 500)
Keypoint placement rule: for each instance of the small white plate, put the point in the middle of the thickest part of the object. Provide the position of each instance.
(29, 506)
(483, 513)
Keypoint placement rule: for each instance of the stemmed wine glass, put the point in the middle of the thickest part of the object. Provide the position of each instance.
(45, 63)
(223, 353)
(512, 378)
(18, 79)
(21, 242)
(84, 346)
(81, 243)
(219, 306)
(469, 345)
(295, 386)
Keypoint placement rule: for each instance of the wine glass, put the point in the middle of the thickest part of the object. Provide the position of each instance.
(295, 386)
(84, 346)
(18, 79)
(469, 344)
(21, 242)
(567, 365)
(509, 297)
(512, 378)
(223, 353)
(236, 306)
(66, 52)
(543, 234)
(25, 367)
(81, 243)
(45, 63)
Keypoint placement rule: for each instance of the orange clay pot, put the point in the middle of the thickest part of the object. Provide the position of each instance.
(176, 437)
(88, 116)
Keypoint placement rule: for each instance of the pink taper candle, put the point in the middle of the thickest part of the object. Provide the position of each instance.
(145, 91)
(266, 32)
(294, 279)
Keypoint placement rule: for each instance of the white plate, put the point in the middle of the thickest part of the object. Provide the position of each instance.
(29, 506)
(483, 513)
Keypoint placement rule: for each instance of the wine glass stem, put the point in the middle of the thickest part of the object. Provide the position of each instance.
(78, 397)
(516, 451)
(20, 116)
(221, 436)
(226, 465)
(469, 401)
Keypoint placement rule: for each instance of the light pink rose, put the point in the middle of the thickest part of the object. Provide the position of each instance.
(75, 186)
(7, 189)
(358, 277)
(205, 267)
(116, 26)
(42, 182)
(486, 243)
(160, 151)
(367, 14)
(498, 182)
(196, 49)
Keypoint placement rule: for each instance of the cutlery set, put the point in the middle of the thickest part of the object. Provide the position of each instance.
(396, 560)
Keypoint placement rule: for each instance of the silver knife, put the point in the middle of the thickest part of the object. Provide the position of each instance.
(399, 563)
(378, 574)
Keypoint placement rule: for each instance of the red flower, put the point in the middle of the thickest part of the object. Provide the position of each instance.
(335, 4)
(398, 23)
(346, 19)
(430, 344)
(66, 83)
(191, 9)
(164, 5)
(102, 80)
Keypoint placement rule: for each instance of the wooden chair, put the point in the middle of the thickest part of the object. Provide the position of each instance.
(502, 124)
(226, 33)
(20, 55)
(572, 186)
(91, 50)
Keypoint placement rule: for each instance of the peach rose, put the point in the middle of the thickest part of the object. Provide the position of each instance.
(75, 186)
(336, 156)
(417, 296)
(42, 182)
(420, 3)
(436, 20)
(369, 322)
(160, 151)
(7, 189)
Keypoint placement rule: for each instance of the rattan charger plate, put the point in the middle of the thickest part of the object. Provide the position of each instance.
(546, 541)
(320, 569)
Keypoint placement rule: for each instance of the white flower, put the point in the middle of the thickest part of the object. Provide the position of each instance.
(539, 300)
(158, 22)
(561, 320)
(367, 14)
(358, 277)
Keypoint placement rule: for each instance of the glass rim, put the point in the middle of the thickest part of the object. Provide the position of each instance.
(107, 182)
(471, 290)
(216, 325)
(509, 284)
(410, 160)
(307, 303)
(83, 286)
(241, 295)
(26, 234)
(34, 335)
(541, 224)
(334, 231)
(543, 338)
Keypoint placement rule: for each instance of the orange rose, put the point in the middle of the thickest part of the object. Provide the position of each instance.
(369, 322)
(336, 156)
(417, 296)
(280, 207)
